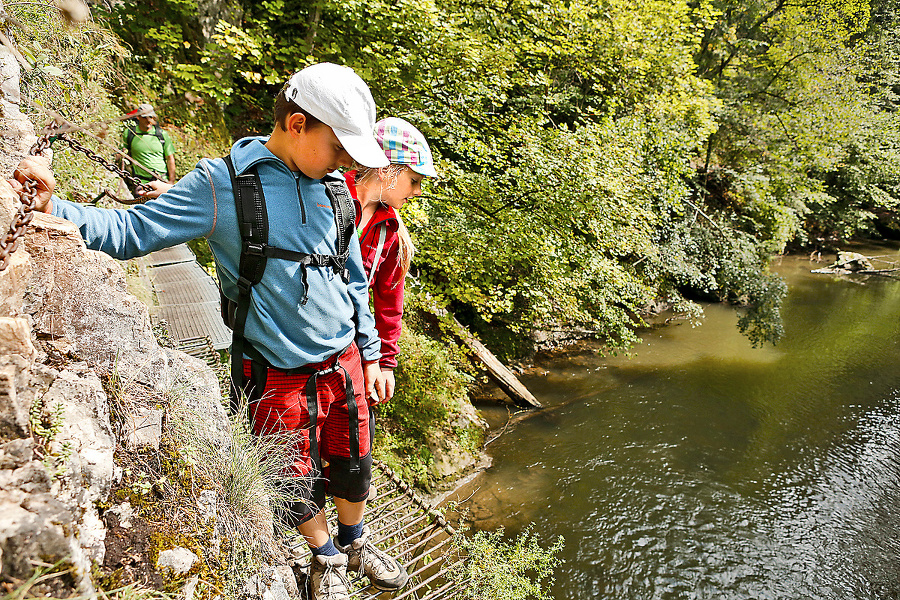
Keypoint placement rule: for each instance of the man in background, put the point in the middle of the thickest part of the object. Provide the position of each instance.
(150, 146)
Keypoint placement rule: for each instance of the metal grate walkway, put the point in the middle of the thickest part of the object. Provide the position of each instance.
(187, 297)
(408, 528)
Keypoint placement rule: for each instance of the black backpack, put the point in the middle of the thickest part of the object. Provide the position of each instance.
(253, 222)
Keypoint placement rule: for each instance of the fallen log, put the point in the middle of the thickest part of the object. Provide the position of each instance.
(497, 371)
(853, 263)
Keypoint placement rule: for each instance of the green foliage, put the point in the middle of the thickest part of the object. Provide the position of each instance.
(497, 569)
(430, 389)
(212, 487)
(45, 423)
(807, 128)
(712, 263)
(72, 67)
(562, 136)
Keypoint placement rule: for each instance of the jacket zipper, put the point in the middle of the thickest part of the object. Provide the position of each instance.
(300, 200)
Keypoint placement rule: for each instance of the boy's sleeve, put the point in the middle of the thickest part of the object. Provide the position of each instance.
(366, 335)
(183, 213)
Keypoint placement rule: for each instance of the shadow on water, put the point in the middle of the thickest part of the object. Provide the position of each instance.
(704, 468)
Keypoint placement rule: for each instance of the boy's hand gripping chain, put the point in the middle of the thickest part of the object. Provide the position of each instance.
(28, 195)
(27, 199)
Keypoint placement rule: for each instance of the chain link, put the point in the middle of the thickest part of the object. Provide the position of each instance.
(76, 145)
(29, 193)
(27, 201)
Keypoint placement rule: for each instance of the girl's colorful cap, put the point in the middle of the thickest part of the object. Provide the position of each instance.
(338, 97)
(403, 144)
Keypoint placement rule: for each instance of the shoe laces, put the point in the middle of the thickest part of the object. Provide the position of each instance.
(381, 561)
(328, 585)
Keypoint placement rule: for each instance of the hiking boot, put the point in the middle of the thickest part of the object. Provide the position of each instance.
(384, 572)
(328, 576)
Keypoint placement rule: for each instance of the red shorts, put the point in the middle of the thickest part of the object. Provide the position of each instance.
(323, 406)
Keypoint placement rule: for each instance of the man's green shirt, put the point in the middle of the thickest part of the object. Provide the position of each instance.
(149, 151)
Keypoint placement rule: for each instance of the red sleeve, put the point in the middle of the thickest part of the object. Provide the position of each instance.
(387, 297)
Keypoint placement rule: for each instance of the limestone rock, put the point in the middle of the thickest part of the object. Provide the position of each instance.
(15, 277)
(31, 477)
(85, 432)
(13, 409)
(271, 583)
(21, 381)
(15, 337)
(196, 396)
(449, 458)
(124, 512)
(179, 560)
(79, 295)
(190, 587)
(18, 133)
(91, 535)
(35, 527)
(15, 453)
(143, 428)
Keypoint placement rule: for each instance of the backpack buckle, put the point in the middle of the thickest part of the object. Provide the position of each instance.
(254, 249)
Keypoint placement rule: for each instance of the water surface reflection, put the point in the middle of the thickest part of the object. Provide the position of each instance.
(705, 468)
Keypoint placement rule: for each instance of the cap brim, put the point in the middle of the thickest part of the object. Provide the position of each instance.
(363, 149)
(426, 170)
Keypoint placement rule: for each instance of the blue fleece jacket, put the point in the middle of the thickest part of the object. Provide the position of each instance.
(286, 333)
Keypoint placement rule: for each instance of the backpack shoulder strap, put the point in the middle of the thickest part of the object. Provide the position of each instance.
(158, 132)
(379, 249)
(253, 223)
(344, 211)
(129, 137)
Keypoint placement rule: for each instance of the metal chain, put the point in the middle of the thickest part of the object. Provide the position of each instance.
(28, 195)
(27, 201)
(76, 145)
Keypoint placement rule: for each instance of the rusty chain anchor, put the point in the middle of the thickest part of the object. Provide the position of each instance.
(28, 195)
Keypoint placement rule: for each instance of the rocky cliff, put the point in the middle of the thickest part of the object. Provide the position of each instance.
(67, 328)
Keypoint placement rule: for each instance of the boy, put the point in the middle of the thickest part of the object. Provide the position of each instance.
(309, 342)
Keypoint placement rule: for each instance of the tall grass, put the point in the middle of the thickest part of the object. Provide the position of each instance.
(249, 474)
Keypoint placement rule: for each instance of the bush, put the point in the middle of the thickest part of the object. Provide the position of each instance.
(431, 387)
(496, 569)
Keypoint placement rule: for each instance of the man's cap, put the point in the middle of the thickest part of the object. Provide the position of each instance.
(403, 144)
(338, 97)
(145, 110)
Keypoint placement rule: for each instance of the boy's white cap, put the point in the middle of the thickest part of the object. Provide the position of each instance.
(338, 97)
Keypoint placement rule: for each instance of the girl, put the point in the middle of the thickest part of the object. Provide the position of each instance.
(383, 238)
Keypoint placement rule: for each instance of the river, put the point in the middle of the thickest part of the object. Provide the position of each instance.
(702, 467)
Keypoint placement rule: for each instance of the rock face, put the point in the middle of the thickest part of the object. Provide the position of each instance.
(66, 306)
(18, 134)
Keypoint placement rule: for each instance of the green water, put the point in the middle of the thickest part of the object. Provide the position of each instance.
(705, 468)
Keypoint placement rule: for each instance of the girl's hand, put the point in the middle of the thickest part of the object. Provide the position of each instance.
(374, 383)
(388, 383)
(36, 168)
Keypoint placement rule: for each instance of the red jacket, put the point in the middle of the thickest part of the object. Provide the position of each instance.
(387, 285)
